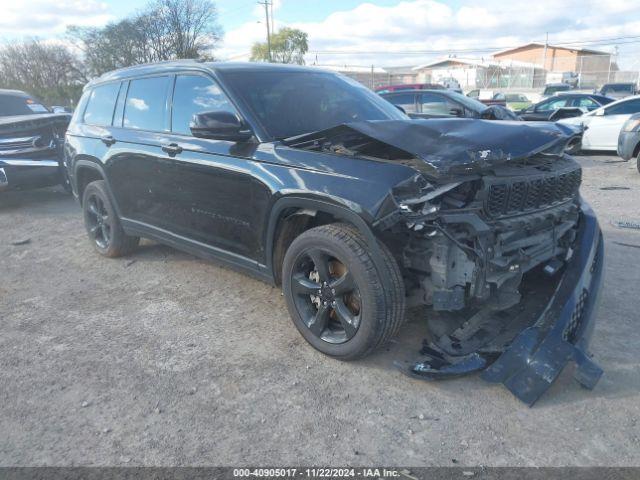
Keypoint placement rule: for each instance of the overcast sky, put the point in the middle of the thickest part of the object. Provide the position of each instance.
(381, 32)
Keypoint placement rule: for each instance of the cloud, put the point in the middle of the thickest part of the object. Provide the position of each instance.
(44, 18)
(433, 25)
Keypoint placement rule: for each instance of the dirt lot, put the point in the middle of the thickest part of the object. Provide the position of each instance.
(165, 359)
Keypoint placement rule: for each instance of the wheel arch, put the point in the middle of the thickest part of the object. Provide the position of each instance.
(85, 172)
(291, 216)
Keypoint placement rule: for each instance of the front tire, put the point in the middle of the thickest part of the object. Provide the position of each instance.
(102, 222)
(342, 302)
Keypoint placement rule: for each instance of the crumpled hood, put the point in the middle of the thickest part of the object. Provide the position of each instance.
(23, 122)
(445, 146)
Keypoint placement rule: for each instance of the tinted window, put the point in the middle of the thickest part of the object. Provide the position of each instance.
(404, 100)
(618, 88)
(585, 102)
(289, 102)
(434, 104)
(624, 108)
(193, 94)
(145, 107)
(20, 105)
(552, 105)
(101, 104)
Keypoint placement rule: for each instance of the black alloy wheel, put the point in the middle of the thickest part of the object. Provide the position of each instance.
(342, 302)
(326, 295)
(98, 221)
(102, 223)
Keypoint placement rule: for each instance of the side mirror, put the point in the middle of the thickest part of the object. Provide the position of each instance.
(456, 112)
(219, 125)
(599, 113)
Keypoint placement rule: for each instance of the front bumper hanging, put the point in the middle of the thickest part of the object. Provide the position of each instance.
(560, 332)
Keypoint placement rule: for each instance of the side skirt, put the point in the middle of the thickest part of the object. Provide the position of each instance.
(199, 249)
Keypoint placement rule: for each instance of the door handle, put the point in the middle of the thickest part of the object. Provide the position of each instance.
(108, 140)
(172, 149)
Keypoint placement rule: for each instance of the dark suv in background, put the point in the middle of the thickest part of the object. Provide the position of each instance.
(309, 180)
(31, 142)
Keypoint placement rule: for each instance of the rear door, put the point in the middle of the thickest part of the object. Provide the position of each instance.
(135, 156)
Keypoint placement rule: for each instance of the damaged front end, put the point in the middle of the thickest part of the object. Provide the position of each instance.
(494, 237)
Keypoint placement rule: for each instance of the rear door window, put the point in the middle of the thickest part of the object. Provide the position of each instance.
(101, 103)
(405, 100)
(146, 105)
(194, 94)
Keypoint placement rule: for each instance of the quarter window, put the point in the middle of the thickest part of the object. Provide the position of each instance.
(146, 104)
(194, 94)
(101, 104)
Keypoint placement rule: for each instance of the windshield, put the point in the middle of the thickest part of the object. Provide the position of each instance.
(292, 103)
(19, 105)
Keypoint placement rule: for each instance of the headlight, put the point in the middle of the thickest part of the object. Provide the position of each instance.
(632, 125)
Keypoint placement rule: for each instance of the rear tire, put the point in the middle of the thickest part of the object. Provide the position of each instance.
(638, 163)
(102, 222)
(343, 303)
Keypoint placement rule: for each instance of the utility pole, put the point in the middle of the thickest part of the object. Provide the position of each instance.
(266, 4)
(544, 58)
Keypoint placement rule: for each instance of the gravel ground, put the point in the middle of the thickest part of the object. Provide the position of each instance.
(165, 359)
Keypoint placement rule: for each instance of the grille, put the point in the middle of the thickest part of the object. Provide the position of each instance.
(17, 143)
(509, 197)
(570, 331)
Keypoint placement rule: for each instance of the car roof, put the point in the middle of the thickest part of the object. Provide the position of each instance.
(190, 64)
(17, 93)
(617, 83)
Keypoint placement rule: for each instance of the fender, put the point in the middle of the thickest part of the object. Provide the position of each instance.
(338, 211)
(98, 168)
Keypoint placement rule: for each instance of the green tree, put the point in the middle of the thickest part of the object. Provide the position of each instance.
(289, 45)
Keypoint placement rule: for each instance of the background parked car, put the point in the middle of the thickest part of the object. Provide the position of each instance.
(487, 97)
(618, 90)
(409, 86)
(553, 88)
(513, 101)
(31, 139)
(629, 139)
(445, 103)
(603, 125)
(543, 110)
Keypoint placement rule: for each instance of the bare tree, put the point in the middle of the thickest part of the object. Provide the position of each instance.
(164, 30)
(49, 71)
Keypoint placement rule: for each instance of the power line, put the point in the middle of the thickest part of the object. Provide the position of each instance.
(462, 50)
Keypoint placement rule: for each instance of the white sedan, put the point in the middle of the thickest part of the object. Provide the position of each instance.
(603, 125)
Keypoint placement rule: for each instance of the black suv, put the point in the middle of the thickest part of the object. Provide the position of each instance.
(307, 179)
